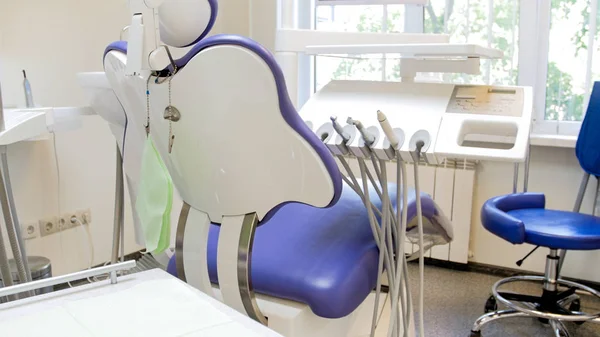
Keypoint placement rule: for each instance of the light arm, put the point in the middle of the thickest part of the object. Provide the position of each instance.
(144, 35)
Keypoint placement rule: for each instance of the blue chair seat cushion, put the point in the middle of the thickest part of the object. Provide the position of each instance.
(559, 229)
(323, 257)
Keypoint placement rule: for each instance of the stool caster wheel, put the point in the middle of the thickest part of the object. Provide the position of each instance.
(576, 306)
(475, 334)
(491, 305)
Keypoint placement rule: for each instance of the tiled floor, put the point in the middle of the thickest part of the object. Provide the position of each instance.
(455, 299)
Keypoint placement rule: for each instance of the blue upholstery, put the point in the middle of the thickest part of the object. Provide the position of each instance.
(496, 220)
(326, 258)
(588, 143)
(120, 46)
(521, 218)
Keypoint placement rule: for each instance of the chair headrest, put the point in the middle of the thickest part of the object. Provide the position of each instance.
(185, 22)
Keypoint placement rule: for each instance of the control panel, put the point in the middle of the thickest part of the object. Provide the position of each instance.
(487, 100)
(439, 116)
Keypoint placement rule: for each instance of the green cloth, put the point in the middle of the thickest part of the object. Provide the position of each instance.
(155, 200)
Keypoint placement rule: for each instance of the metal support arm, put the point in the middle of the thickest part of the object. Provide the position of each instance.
(234, 255)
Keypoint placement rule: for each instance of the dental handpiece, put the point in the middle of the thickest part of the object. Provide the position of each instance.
(339, 129)
(367, 136)
(387, 129)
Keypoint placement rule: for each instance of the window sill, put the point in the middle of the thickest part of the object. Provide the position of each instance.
(554, 141)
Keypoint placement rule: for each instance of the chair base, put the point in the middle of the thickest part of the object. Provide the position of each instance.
(558, 327)
(553, 306)
(293, 319)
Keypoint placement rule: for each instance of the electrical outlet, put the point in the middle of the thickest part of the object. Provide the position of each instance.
(30, 231)
(66, 223)
(85, 216)
(49, 226)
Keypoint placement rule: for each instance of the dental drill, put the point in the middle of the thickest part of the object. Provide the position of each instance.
(388, 225)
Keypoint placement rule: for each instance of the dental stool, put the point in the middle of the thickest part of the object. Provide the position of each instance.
(522, 218)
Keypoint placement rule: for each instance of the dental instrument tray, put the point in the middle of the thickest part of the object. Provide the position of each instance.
(473, 122)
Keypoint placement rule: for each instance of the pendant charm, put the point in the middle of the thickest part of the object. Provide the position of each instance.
(171, 141)
(172, 114)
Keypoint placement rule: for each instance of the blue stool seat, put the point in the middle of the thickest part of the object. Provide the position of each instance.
(522, 218)
(559, 229)
(325, 258)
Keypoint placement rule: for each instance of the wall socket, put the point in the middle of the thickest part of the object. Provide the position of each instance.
(30, 231)
(49, 226)
(53, 225)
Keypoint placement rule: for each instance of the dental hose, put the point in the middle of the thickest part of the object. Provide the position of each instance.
(420, 145)
(355, 186)
(353, 183)
(380, 240)
(389, 232)
(401, 312)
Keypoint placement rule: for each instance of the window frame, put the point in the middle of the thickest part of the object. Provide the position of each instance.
(533, 54)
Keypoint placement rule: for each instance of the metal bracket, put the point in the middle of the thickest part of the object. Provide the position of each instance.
(234, 255)
(110, 269)
(172, 72)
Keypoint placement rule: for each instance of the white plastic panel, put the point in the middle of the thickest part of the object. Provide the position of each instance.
(440, 114)
(421, 50)
(195, 251)
(233, 152)
(24, 124)
(493, 111)
(297, 40)
(408, 106)
(103, 100)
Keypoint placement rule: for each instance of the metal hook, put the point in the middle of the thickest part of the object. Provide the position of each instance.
(161, 80)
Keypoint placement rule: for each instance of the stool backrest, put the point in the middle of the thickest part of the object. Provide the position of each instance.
(588, 143)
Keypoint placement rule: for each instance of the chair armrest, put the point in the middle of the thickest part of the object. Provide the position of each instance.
(495, 218)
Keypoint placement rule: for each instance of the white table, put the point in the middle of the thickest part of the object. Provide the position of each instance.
(151, 303)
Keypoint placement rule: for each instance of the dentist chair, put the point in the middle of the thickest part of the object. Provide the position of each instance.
(522, 218)
(265, 207)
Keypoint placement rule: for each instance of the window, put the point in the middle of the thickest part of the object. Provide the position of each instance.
(570, 59)
(559, 42)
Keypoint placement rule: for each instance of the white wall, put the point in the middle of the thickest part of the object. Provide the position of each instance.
(53, 40)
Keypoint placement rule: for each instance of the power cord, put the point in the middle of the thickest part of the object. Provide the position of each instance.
(58, 184)
(73, 220)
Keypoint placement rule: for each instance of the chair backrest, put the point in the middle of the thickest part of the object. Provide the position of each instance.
(240, 146)
(588, 143)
